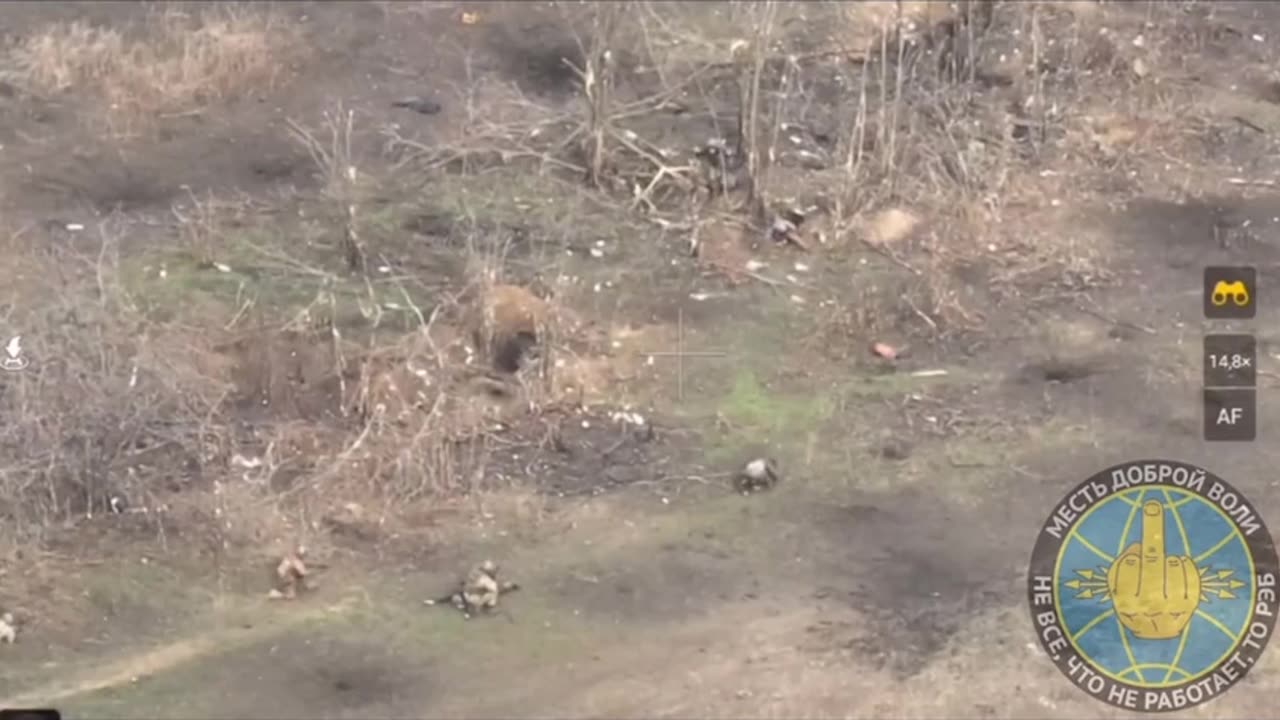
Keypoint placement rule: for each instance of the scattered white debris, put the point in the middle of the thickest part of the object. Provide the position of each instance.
(991, 247)
(586, 425)
(797, 299)
(164, 272)
(810, 158)
(628, 418)
(241, 461)
(596, 287)
(801, 267)
(699, 296)
(666, 501)
(222, 267)
(597, 253)
(792, 279)
(8, 633)
(133, 377)
(755, 265)
(649, 360)
(757, 469)
(384, 269)
(1139, 41)
(1259, 38)
(615, 344)
(74, 227)
(929, 373)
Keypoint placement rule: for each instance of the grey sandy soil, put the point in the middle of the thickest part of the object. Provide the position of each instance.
(871, 583)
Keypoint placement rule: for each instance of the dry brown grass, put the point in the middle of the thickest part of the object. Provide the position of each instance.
(177, 63)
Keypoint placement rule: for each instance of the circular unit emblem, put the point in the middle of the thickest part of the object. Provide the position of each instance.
(1153, 586)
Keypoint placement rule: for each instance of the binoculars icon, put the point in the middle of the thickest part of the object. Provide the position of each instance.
(1236, 292)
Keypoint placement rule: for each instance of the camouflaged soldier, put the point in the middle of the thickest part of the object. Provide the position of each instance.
(291, 575)
(480, 591)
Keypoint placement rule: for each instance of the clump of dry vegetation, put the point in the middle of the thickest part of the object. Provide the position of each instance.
(816, 118)
(176, 62)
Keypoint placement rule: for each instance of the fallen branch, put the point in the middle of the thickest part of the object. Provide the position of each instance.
(893, 257)
(1258, 183)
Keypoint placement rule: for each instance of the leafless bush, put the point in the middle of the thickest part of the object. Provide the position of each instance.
(597, 78)
(108, 408)
(751, 56)
(501, 126)
(342, 181)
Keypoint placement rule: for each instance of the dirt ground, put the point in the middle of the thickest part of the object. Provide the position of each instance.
(176, 229)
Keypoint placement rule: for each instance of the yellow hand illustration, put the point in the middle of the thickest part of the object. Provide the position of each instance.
(1154, 595)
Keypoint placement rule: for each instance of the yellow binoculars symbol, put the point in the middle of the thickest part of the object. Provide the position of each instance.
(1236, 292)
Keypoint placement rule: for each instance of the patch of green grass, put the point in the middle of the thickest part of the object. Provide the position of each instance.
(758, 414)
(753, 406)
(899, 384)
(163, 281)
(141, 590)
(203, 684)
(390, 629)
(510, 198)
(165, 285)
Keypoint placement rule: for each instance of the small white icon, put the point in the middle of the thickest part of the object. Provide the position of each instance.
(13, 360)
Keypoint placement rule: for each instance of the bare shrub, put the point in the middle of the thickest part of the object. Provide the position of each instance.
(111, 406)
(343, 184)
